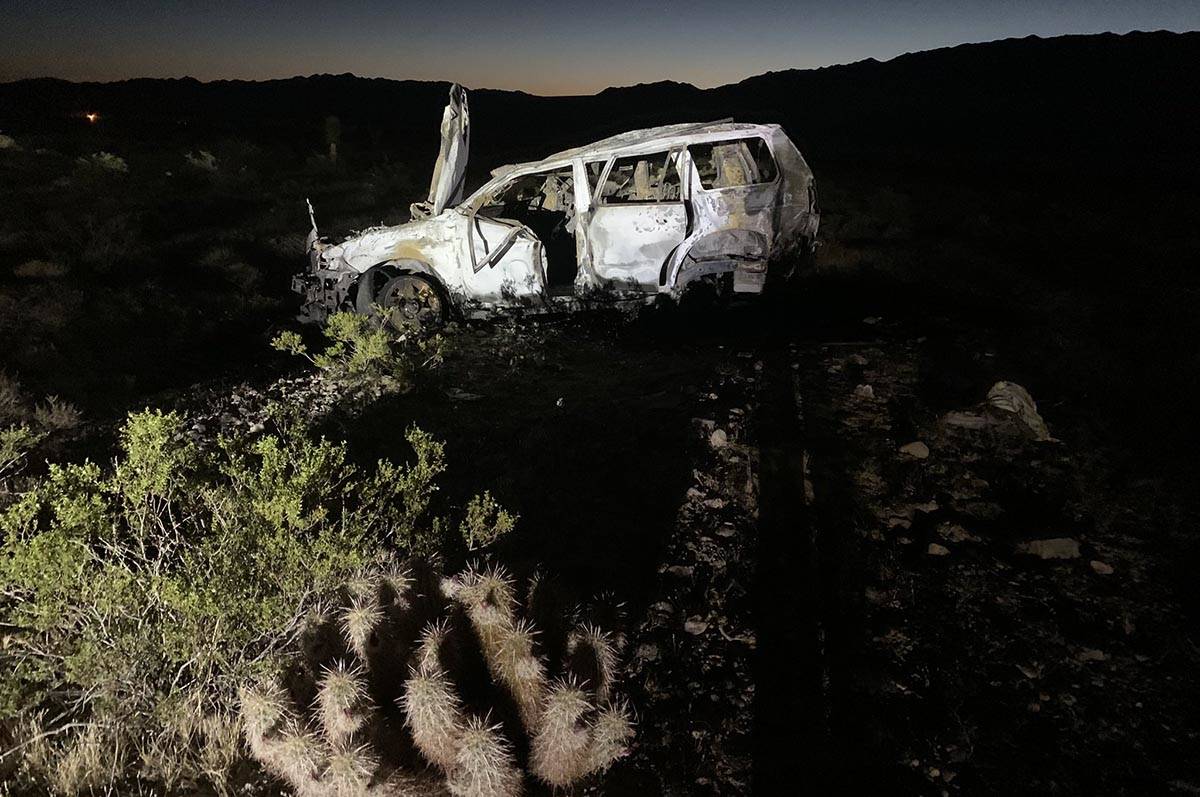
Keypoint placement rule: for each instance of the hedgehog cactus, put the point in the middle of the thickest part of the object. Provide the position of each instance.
(415, 687)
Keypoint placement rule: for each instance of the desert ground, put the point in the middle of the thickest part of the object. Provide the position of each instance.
(823, 561)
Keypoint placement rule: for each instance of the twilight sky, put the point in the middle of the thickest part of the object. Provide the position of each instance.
(540, 46)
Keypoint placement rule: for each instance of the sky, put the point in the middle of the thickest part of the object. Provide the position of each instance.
(540, 46)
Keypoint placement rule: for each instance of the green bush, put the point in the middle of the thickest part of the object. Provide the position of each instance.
(362, 354)
(486, 522)
(135, 599)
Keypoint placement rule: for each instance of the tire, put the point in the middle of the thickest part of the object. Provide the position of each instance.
(411, 303)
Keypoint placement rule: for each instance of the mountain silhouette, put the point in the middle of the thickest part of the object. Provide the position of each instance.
(1125, 102)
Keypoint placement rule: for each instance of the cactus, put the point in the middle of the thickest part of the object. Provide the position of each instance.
(421, 685)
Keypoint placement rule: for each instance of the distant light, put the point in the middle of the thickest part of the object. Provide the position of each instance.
(92, 117)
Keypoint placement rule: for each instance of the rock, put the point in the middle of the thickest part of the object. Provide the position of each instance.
(694, 493)
(955, 533)
(257, 427)
(966, 420)
(718, 439)
(680, 571)
(646, 652)
(1052, 548)
(1091, 654)
(40, 269)
(726, 531)
(695, 625)
(937, 550)
(864, 392)
(1101, 568)
(858, 359)
(1012, 398)
(1006, 401)
(915, 449)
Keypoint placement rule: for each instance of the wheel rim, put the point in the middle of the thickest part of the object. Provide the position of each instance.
(410, 303)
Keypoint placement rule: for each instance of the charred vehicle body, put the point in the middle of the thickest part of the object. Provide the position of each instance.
(639, 215)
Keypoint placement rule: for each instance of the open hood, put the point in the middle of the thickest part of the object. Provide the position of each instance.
(449, 173)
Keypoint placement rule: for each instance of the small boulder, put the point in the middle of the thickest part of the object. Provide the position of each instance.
(864, 392)
(1052, 548)
(695, 625)
(1101, 568)
(646, 652)
(937, 550)
(915, 449)
(718, 439)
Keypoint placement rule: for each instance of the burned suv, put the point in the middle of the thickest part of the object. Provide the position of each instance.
(635, 216)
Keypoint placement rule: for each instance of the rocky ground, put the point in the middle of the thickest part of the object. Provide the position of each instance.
(1006, 617)
(838, 574)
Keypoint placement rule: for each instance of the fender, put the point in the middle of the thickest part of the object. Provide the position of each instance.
(711, 253)
(375, 275)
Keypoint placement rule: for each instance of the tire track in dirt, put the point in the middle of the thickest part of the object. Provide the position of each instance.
(789, 712)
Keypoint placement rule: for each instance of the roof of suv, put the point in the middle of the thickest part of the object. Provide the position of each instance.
(641, 138)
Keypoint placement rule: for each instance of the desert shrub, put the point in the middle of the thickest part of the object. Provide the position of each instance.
(23, 425)
(136, 598)
(485, 522)
(97, 240)
(13, 406)
(40, 269)
(106, 161)
(364, 355)
(481, 705)
(54, 414)
(225, 263)
(202, 160)
(15, 444)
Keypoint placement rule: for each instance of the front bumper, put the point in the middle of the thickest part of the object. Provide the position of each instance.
(323, 291)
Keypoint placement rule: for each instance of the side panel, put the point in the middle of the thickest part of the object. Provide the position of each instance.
(504, 263)
(638, 220)
(798, 214)
(629, 243)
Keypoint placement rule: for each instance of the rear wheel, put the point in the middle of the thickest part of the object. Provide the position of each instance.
(410, 303)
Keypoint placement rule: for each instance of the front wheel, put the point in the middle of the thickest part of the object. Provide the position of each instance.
(411, 303)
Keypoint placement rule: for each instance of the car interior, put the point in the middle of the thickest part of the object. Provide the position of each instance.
(545, 203)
